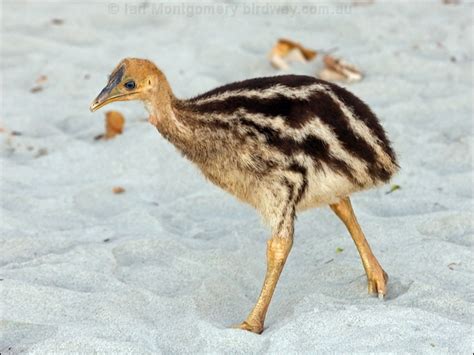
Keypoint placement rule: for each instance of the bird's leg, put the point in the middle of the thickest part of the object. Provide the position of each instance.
(280, 209)
(278, 249)
(376, 276)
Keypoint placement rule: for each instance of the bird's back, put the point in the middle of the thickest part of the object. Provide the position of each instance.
(302, 119)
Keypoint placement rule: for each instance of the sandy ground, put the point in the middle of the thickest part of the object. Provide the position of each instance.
(169, 265)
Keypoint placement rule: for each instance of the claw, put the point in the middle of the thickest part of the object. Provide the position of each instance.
(377, 284)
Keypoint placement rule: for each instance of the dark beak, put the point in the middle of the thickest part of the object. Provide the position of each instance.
(106, 96)
(102, 99)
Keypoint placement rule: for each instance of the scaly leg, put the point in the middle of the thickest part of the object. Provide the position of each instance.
(377, 278)
(278, 249)
(281, 218)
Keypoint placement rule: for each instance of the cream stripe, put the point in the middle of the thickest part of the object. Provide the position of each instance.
(301, 92)
(360, 128)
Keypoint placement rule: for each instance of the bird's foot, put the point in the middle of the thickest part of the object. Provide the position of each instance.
(251, 326)
(377, 280)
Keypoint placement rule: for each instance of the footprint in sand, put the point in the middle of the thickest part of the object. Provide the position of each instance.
(457, 229)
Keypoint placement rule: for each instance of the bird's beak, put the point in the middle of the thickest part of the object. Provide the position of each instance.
(101, 100)
(109, 93)
(105, 97)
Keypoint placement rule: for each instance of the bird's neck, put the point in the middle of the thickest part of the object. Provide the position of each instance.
(175, 122)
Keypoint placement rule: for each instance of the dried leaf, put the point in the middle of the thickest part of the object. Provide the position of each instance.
(10, 132)
(331, 75)
(339, 250)
(41, 79)
(118, 190)
(393, 188)
(285, 51)
(452, 265)
(36, 89)
(278, 62)
(114, 122)
(346, 71)
(41, 152)
(295, 55)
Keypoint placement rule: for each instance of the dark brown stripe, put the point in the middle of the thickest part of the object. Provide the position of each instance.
(300, 169)
(316, 148)
(289, 203)
(364, 113)
(296, 112)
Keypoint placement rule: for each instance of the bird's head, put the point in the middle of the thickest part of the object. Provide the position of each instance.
(132, 79)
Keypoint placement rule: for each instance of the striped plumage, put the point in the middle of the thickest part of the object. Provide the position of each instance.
(281, 144)
(316, 137)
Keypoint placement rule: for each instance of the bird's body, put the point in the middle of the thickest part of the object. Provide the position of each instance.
(265, 139)
(281, 144)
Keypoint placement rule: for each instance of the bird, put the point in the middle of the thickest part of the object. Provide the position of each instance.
(282, 144)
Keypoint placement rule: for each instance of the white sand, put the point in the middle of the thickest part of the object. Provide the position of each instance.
(170, 264)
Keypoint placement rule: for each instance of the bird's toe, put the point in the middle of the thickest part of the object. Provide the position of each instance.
(377, 283)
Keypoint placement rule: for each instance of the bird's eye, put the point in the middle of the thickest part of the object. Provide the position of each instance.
(130, 85)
